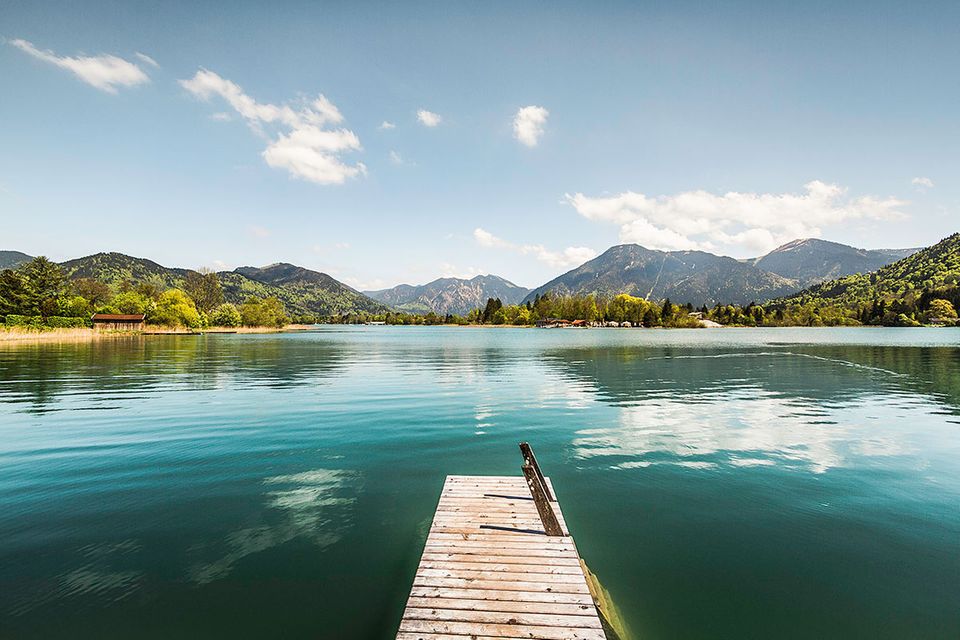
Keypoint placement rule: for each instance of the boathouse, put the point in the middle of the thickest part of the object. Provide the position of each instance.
(117, 321)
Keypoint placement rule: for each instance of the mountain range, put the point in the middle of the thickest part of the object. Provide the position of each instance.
(683, 276)
(704, 278)
(450, 295)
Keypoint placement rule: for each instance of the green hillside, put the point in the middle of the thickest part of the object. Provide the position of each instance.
(303, 292)
(904, 287)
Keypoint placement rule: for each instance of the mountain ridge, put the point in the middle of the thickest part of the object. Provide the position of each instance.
(450, 295)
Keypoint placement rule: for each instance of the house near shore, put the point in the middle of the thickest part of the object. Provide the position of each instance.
(117, 321)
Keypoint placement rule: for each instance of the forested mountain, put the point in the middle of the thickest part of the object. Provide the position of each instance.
(303, 292)
(450, 295)
(300, 288)
(930, 272)
(810, 261)
(683, 276)
(13, 259)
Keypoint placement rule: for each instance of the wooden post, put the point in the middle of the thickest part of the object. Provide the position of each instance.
(549, 519)
(527, 451)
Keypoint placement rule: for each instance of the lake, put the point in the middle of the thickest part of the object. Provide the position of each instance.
(730, 483)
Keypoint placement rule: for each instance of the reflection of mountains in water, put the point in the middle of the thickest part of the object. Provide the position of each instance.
(821, 373)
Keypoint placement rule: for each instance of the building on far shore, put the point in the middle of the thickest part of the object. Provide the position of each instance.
(117, 321)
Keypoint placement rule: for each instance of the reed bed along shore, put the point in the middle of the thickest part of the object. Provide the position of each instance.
(13, 335)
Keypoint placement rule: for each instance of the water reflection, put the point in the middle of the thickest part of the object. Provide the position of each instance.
(814, 408)
(314, 506)
(115, 370)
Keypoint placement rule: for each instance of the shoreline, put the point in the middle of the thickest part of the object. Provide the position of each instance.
(16, 335)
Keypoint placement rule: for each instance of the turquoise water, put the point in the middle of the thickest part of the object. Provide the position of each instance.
(788, 483)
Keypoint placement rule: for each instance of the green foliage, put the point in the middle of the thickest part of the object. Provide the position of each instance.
(14, 295)
(60, 322)
(17, 320)
(941, 309)
(174, 308)
(45, 283)
(75, 307)
(132, 302)
(266, 312)
(226, 315)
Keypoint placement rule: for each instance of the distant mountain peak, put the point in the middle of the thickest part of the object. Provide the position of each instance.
(450, 294)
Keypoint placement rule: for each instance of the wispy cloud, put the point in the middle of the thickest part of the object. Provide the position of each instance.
(386, 125)
(300, 139)
(150, 61)
(105, 72)
(528, 124)
(922, 183)
(745, 223)
(428, 118)
(569, 257)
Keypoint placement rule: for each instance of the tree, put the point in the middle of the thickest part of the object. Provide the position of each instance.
(94, 291)
(493, 305)
(267, 312)
(131, 302)
(175, 309)
(13, 293)
(226, 315)
(74, 307)
(941, 309)
(203, 285)
(45, 284)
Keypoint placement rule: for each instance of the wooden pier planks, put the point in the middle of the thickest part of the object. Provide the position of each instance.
(489, 570)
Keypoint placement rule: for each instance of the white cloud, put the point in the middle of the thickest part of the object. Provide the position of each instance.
(105, 72)
(150, 61)
(740, 223)
(386, 125)
(528, 124)
(569, 257)
(922, 183)
(428, 118)
(396, 158)
(300, 138)
(221, 116)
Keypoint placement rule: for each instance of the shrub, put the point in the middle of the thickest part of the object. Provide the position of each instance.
(61, 322)
(14, 320)
(225, 315)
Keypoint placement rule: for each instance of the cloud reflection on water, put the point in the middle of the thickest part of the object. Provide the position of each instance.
(314, 506)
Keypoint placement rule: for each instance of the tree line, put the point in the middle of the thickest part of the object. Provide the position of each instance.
(39, 294)
(934, 305)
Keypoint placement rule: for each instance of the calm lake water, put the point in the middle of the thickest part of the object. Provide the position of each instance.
(787, 483)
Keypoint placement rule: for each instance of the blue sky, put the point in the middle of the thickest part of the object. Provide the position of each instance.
(558, 130)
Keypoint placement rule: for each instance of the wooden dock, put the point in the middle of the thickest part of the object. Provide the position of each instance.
(490, 570)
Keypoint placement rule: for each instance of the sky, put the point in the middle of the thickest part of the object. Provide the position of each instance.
(388, 143)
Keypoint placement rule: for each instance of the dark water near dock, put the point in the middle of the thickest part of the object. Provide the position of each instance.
(788, 483)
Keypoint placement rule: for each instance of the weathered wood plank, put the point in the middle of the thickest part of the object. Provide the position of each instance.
(489, 570)
(501, 630)
(553, 597)
(501, 617)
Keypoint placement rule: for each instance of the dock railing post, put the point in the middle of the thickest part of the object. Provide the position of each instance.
(527, 451)
(540, 491)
